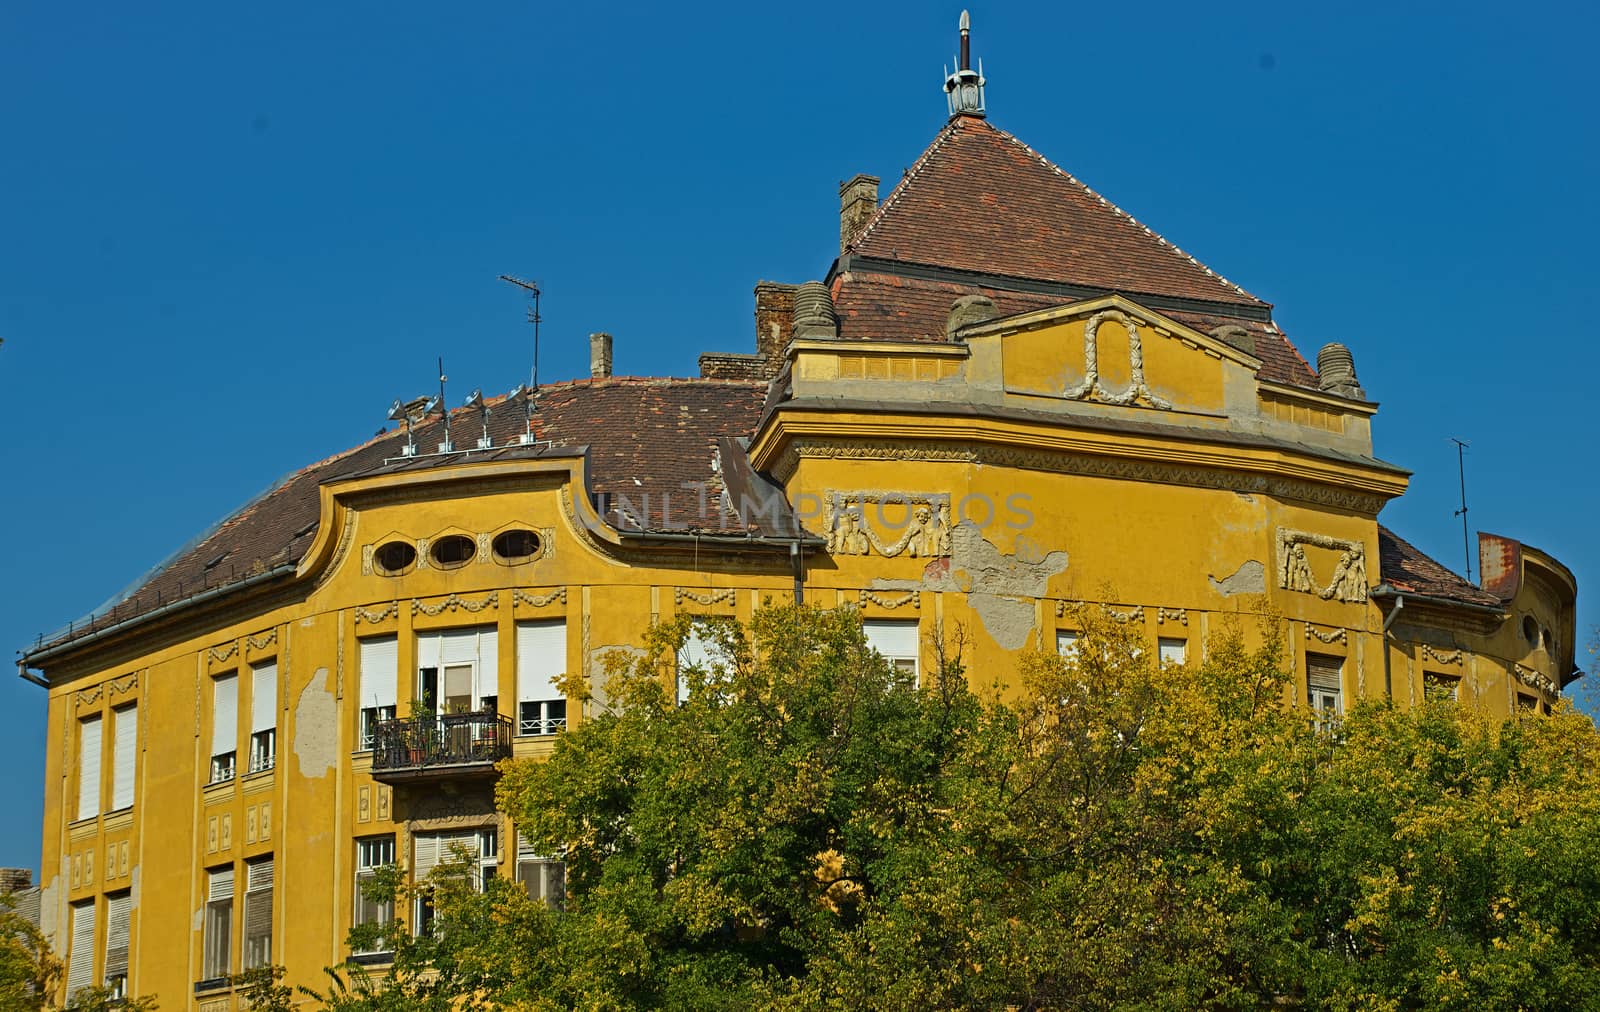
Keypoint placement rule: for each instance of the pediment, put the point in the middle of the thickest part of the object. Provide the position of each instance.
(1115, 352)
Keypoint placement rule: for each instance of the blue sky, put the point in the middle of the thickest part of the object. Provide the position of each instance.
(233, 234)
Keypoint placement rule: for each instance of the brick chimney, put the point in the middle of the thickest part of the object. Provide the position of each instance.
(858, 199)
(774, 321)
(600, 356)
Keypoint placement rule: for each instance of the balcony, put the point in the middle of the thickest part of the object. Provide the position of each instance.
(433, 746)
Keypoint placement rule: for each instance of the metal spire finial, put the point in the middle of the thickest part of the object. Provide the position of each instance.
(964, 89)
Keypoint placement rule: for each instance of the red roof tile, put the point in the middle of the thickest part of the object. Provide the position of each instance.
(980, 200)
(1406, 568)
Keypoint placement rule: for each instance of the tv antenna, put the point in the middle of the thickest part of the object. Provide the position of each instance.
(448, 446)
(532, 288)
(1461, 466)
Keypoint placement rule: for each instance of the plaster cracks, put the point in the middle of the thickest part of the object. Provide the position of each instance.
(1010, 583)
(1250, 578)
(316, 728)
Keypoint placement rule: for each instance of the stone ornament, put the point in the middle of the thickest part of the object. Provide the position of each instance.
(1178, 615)
(1349, 581)
(1091, 389)
(708, 598)
(1453, 657)
(1336, 372)
(453, 603)
(1332, 636)
(1534, 680)
(925, 535)
(890, 601)
(376, 615)
(539, 600)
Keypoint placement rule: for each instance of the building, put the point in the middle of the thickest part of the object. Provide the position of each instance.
(1007, 399)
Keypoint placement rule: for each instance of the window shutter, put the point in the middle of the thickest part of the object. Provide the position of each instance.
(80, 957)
(225, 715)
(894, 640)
(221, 884)
(488, 663)
(89, 768)
(541, 660)
(380, 665)
(118, 910)
(124, 754)
(1172, 651)
(1323, 672)
(258, 913)
(264, 697)
(434, 849)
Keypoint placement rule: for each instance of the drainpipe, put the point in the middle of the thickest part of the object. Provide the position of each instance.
(24, 673)
(1394, 613)
(799, 564)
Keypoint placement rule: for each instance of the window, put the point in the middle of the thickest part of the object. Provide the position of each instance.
(696, 654)
(217, 961)
(481, 847)
(899, 645)
(118, 910)
(379, 659)
(1067, 644)
(459, 670)
(544, 878)
(258, 913)
(224, 726)
(1172, 651)
(1324, 688)
(1437, 686)
(372, 853)
(124, 755)
(89, 768)
(263, 716)
(512, 547)
(453, 551)
(541, 661)
(80, 955)
(394, 559)
(1530, 630)
(1527, 702)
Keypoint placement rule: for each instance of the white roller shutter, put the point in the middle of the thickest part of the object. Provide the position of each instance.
(89, 768)
(80, 957)
(429, 850)
(541, 660)
(221, 884)
(224, 715)
(119, 908)
(380, 666)
(894, 640)
(478, 646)
(124, 756)
(264, 697)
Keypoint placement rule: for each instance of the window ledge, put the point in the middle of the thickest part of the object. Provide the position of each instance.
(214, 984)
(372, 958)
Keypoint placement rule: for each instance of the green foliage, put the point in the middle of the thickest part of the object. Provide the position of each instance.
(27, 967)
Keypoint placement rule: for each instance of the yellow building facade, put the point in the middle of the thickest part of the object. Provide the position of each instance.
(1008, 400)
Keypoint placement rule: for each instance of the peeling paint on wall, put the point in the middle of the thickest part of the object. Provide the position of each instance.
(316, 733)
(49, 903)
(1009, 583)
(1251, 578)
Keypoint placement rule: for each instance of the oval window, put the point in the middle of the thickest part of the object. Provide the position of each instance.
(1530, 630)
(394, 558)
(453, 550)
(516, 546)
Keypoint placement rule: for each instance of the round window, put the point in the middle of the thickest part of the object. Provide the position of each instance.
(1530, 630)
(394, 558)
(453, 550)
(516, 546)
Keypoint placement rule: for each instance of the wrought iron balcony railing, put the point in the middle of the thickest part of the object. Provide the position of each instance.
(442, 743)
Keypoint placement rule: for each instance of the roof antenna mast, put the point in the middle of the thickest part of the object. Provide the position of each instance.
(448, 446)
(1461, 466)
(532, 288)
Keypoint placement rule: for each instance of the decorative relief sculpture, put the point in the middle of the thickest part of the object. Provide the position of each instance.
(890, 601)
(1349, 581)
(225, 651)
(1178, 615)
(1534, 680)
(1091, 389)
(125, 684)
(1332, 636)
(453, 603)
(708, 598)
(1453, 657)
(925, 534)
(539, 600)
(262, 641)
(376, 615)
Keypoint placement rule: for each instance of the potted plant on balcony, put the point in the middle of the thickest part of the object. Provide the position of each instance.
(416, 732)
(487, 739)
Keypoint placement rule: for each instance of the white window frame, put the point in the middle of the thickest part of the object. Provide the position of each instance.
(124, 755)
(694, 653)
(475, 648)
(372, 853)
(263, 716)
(1067, 643)
(379, 662)
(1172, 650)
(217, 955)
(91, 748)
(119, 912)
(899, 642)
(224, 727)
(256, 950)
(541, 663)
(482, 841)
(1324, 691)
(543, 878)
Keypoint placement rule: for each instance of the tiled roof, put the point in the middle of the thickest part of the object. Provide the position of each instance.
(894, 308)
(980, 200)
(646, 437)
(1406, 568)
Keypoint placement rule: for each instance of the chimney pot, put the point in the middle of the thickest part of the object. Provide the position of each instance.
(600, 355)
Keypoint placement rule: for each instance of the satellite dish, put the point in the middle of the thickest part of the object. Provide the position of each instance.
(475, 399)
(397, 411)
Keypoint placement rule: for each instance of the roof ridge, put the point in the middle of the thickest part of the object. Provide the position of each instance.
(945, 133)
(1097, 195)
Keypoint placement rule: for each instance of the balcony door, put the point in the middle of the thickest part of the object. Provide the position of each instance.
(458, 671)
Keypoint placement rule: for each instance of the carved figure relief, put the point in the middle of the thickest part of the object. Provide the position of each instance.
(1349, 580)
(1091, 389)
(925, 533)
